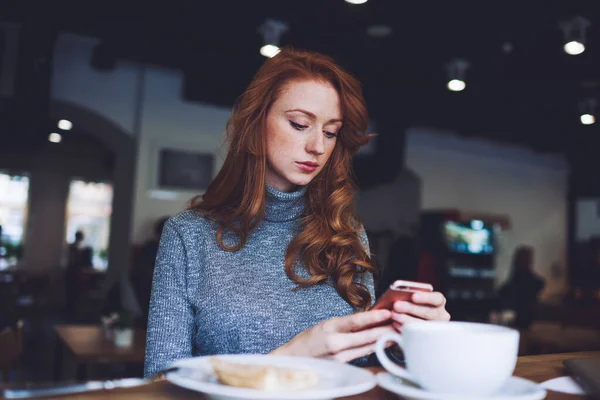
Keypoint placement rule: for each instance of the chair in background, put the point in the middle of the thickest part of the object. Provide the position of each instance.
(11, 348)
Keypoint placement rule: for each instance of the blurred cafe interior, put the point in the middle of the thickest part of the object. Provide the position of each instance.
(482, 179)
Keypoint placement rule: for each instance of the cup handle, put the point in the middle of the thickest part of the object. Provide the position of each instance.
(385, 361)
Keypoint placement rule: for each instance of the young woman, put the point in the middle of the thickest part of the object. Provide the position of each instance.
(272, 257)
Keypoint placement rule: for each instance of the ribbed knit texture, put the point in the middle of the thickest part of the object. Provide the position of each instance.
(209, 301)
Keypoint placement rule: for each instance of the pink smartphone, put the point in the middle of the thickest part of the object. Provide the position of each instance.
(400, 291)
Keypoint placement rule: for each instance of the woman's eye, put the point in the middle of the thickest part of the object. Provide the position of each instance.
(330, 135)
(298, 126)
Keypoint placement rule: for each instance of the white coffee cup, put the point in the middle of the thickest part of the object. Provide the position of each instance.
(454, 357)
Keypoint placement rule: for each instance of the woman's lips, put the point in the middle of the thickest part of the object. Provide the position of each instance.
(307, 166)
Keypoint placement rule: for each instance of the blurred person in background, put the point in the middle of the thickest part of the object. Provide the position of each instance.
(78, 254)
(592, 276)
(79, 258)
(586, 281)
(521, 290)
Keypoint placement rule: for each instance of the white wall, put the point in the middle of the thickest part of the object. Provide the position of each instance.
(170, 122)
(48, 193)
(111, 94)
(166, 121)
(474, 175)
(587, 219)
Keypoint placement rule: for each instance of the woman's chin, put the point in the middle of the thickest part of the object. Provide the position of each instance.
(302, 180)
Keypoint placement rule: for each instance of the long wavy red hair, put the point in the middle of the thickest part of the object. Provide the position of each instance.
(328, 245)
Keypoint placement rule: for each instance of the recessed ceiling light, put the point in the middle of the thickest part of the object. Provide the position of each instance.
(356, 1)
(456, 70)
(456, 85)
(271, 31)
(55, 137)
(65, 125)
(269, 50)
(587, 119)
(574, 31)
(574, 48)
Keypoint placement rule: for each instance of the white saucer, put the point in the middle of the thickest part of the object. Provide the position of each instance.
(514, 389)
(336, 379)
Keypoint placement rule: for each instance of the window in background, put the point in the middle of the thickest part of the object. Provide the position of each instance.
(14, 192)
(89, 208)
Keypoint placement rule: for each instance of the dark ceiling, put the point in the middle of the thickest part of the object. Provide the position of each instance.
(35, 139)
(528, 95)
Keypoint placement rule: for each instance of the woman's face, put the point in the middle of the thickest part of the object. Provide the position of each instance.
(302, 128)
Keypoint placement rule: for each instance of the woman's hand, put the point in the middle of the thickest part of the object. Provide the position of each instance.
(424, 306)
(343, 339)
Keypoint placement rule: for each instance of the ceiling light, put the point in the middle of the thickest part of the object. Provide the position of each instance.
(587, 109)
(574, 31)
(587, 119)
(356, 1)
(271, 31)
(269, 50)
(456, 85)
(65, 125)
(456, 74)
(55, 137)
(574, 48)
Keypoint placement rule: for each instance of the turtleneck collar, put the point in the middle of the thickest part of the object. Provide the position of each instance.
(284, 206)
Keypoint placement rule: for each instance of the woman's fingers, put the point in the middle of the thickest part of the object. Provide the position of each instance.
(421, 311)
(352, 354)
(357, 322)
(338, 342)
(415, 310)
(365, 349)
(434, 299)
(404, 318)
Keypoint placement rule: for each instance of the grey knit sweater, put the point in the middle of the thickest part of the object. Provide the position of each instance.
(209, 301)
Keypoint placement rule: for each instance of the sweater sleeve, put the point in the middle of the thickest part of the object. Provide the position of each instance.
(171, 318)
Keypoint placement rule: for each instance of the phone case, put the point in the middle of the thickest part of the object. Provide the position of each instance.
(400, 291)
(410, 285)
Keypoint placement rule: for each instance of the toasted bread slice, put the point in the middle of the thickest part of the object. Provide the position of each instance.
(263, 377)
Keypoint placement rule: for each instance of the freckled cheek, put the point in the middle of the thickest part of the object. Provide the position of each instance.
(286, 143)
(282, 149)
(328, 153)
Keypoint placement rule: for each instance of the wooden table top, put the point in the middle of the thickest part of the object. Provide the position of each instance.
(535, 368)
(88, 345)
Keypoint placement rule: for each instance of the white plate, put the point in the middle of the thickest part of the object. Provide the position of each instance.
(336, 379)
(514, 389)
